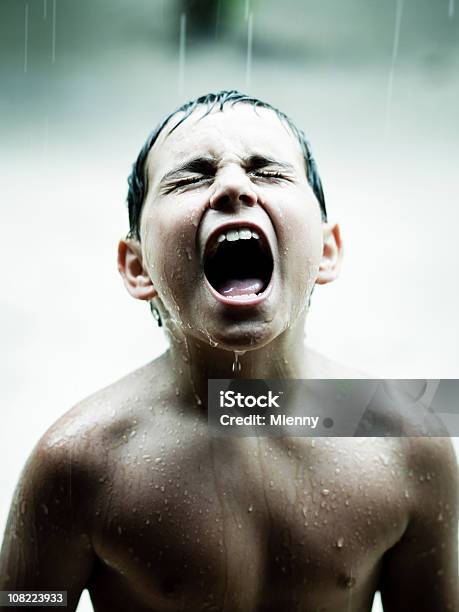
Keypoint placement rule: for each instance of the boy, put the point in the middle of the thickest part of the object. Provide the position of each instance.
(128, 495)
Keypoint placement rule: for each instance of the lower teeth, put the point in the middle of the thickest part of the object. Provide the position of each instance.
(241, 297)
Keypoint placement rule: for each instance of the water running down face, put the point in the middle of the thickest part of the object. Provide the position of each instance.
(232, 239)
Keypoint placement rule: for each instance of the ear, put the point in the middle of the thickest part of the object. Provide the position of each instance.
(130, 266)
(330, 264)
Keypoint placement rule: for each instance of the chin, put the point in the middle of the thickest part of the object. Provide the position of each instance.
(243, 335)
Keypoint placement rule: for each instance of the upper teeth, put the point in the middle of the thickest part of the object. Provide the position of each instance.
(242, 234)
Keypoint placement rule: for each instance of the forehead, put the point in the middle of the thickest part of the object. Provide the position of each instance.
(236, 131)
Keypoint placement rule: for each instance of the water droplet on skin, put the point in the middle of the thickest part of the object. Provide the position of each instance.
(347, 581)
(236, 367)
(325, 491)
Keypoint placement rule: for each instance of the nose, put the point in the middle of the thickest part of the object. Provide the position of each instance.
(231, 189)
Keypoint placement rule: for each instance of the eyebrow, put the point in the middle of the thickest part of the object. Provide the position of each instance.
(200, 165)
(207, 165)
(255, 162)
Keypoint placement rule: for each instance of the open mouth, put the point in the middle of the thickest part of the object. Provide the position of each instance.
(238, 263)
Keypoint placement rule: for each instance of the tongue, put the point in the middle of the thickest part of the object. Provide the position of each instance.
(236, 287)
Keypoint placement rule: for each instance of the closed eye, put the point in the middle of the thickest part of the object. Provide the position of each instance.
(268, 174)
(185, 182)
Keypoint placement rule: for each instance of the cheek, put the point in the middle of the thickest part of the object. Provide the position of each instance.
(308, 253)
(168, 243)
(304, 243)
(303, 232)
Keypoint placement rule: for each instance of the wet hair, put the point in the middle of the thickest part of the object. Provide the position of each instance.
(137, 180)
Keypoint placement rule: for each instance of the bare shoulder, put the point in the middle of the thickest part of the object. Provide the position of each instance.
(83, 434)
(432, 478)
(432, 459)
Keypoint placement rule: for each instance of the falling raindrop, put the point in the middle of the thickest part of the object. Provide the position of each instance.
(340, 543)
(390, 84)
(248, 72)
(53, 54)
(236, 367)
(45, 9)
(45, 142)
(247, 9)
(217, 20)
(451, 9)
(26, 34)
(182, 52)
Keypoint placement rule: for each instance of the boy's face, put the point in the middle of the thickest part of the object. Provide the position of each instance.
(231, 232)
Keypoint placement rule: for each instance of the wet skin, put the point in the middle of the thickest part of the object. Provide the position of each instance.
(128, 496)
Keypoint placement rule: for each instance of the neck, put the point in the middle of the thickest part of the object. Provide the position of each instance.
(193, 361)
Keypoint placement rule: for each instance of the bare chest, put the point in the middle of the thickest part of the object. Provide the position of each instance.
(259, 525)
